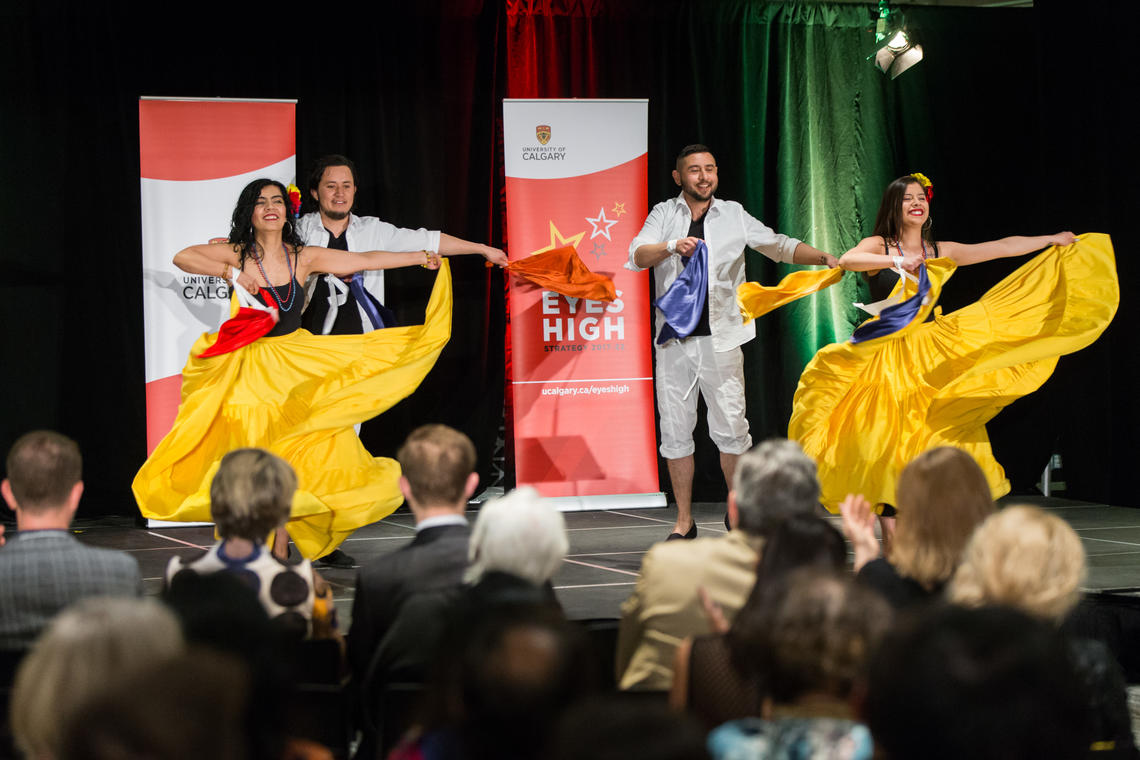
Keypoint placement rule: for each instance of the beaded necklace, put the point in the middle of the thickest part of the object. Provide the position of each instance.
(925, 255)
(272, 290)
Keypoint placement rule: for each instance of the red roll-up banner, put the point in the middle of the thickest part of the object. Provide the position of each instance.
(195, 157)
(582, 370)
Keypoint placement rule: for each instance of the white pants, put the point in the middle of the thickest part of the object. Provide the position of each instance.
(685, 366)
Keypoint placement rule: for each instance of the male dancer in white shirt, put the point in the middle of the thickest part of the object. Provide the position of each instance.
(332, 184)
(355, 306)
(710, 358)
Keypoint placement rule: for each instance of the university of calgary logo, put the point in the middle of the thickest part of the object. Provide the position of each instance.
(542, 132)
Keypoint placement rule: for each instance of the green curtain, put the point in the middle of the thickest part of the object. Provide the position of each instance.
(798, 120)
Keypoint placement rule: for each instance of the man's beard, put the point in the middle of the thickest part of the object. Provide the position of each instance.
(335, 215)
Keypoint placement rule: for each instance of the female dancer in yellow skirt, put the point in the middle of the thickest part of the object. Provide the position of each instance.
(290, 392)
(909, 381)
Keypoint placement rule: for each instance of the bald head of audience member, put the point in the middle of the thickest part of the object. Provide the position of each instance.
(44, 482)
(438, 464)
(773, 481)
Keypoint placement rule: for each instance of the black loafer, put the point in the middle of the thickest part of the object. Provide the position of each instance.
(726, 525)
(338, 559)
(684, 536)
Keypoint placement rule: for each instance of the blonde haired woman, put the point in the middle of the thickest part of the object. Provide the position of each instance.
(1028, 559)
(942, 497)
(91, 646)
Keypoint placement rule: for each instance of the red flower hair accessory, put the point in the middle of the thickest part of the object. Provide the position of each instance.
(294, 193)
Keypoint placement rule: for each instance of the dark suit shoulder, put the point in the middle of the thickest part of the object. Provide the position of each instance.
(436, 557)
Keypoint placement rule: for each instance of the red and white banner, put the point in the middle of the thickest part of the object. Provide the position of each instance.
(195, 157)
(582, 370)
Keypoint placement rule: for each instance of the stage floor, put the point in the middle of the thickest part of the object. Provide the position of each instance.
(606, 549)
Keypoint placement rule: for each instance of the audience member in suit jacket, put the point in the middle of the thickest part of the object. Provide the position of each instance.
(44, 568)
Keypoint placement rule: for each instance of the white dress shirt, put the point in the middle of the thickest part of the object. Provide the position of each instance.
(364, 233)
(728, 229)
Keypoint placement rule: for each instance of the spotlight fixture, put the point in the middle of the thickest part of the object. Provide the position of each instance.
(895, 51)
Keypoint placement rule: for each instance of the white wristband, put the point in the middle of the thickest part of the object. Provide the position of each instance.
(898, 261)
(234, 272)
(671, 246)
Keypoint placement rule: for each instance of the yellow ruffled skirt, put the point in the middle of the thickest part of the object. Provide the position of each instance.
(863, 411)
(296, 395)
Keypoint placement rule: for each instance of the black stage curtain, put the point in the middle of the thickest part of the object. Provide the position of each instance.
(1020, 128)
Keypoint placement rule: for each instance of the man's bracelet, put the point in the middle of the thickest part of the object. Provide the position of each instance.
(671, 246)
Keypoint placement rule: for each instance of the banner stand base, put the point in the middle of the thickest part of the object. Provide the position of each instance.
(605, 502)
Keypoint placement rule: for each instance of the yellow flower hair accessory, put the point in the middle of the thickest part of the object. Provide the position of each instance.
(927, 185)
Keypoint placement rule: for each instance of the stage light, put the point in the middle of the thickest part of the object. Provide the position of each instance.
(895, 51)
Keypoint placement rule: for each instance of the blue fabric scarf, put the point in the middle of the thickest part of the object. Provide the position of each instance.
(894, 318)
(684, 301)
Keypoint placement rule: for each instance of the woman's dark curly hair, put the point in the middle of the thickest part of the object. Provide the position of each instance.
(241, 223)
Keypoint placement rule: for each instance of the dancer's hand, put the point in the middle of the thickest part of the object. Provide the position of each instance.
(248, 282)
(494, 256)
(687, 246)
(859, 527)
(432, 260)
(1063, 238)
(912, 261)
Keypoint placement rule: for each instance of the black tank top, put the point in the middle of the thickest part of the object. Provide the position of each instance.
(289, 320)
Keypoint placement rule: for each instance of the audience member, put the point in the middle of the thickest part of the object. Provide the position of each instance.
(518, 544)
(87, 648)
(772, 482)
(44, 568)
(942, 496)
(709, 679)
(250, 498)
(621, 726)
(437, 480)
(811, 655)
(187, 707)
(987, 684)
(404, 599)
(1028, 559)
(508, 683)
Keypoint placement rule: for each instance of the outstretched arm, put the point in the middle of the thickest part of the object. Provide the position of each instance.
(343, 263)
(805, 254)
(869, 256)
(453, 246)
(215, 259)
(963, 254)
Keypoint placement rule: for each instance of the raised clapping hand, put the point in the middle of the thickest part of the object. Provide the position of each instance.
(859, 527)
(718, 623)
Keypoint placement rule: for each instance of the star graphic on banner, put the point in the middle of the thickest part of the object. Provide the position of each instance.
(618, 209)
(558, 241)
(601, 225)
(599, 251)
